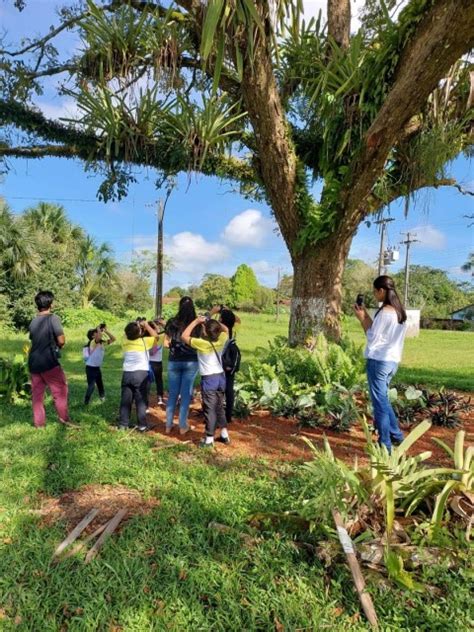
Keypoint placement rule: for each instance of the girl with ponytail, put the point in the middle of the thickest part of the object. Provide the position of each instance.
(385, 338)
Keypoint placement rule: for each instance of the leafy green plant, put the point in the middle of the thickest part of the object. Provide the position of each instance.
(459, 490)
(14, 378)
(407, 404)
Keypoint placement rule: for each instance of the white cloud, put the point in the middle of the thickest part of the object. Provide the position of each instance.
(56, 110)
(249, 228)
(429, 237)
(263, 267)
(192, 253)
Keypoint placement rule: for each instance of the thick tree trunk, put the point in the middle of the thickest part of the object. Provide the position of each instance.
(317, 289)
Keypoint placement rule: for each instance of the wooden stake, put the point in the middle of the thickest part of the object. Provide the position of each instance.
(76, 532)
(359, 582)
(80, 545)
(110, 528)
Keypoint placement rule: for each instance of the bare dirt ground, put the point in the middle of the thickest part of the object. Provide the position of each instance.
(278, 438)
(73, 505)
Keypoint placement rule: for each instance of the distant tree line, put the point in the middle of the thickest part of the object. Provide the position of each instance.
(42, 249)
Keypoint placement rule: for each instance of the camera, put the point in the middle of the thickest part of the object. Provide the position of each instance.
(206, 315)
(360, 300)
(140, 319)
(102, 326)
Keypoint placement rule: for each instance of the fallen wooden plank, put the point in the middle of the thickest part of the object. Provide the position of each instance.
(359, 582)
(80, 545)
(110, 528)
(76, 532)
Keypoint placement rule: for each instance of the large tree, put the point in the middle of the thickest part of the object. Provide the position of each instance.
(247, 90)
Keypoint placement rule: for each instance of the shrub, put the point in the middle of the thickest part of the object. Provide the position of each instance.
(316, 387)
(87, 317)
(14, 378)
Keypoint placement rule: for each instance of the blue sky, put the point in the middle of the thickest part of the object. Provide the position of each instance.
(208, 226)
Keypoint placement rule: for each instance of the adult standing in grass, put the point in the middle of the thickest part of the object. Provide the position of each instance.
(385, 338)
(47, 338)
(182, 365)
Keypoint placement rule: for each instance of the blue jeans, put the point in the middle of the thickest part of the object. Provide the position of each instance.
(379, 374)
(181, 376)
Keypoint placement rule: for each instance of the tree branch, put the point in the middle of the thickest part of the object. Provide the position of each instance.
(339, 21)
(39, 151)
(442, 37)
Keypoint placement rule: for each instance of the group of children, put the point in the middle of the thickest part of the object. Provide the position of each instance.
(195, 343)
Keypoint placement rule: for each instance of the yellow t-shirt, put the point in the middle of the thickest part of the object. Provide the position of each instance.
(136, 356)
(209, 354)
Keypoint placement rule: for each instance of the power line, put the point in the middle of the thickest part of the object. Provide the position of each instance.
(45, 199)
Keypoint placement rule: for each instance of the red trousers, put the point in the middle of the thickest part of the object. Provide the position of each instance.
(55, 380)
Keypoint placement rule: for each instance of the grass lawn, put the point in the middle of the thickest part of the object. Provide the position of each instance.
(167, 570)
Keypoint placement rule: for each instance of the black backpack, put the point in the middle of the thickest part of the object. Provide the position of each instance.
(231, 357)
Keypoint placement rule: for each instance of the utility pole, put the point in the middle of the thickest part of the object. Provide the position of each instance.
(408, 241)
(277, 315)
(160, 212)
(382, 222)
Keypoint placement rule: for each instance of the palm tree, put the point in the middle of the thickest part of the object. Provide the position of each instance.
(95, 268)
(52, 219)
(18, 255)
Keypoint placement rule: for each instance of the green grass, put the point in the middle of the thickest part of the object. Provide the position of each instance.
(167, 571)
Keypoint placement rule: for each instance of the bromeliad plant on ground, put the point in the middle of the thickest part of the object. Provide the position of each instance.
(394, 505)
(317, 386)
(395, 496)
(443, 408)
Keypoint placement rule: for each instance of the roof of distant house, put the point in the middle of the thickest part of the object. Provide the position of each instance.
(462, 309)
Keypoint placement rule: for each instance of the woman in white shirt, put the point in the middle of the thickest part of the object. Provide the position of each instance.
(385, 337)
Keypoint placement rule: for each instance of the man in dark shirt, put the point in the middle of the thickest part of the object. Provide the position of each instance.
(47, 337)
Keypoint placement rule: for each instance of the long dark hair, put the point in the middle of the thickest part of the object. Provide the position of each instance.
(391, 297)
(228, 319)
(186, 314)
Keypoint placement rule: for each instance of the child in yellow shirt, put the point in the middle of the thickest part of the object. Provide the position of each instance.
(139, 339)
(209, 348)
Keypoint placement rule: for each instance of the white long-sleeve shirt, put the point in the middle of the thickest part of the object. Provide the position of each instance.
(385, 337)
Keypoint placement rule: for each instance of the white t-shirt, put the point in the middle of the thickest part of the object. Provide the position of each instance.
(209, 355)
(93, 356)
(385, 337)
(135, 353)
(156, 353)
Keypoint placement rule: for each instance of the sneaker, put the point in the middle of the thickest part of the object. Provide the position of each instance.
(160, 402)
(122, 427)
(147, 411)
(203, 444)
(168, 429)
(183, 431)
(225, 440)
(102, 399)
(145, 428)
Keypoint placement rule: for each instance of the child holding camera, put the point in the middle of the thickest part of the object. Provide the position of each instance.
(93, 353)
(139, 339)
(209, 347)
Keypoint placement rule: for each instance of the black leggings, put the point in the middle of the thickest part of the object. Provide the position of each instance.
(94, 376)
(134, 389)
(157, 368)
